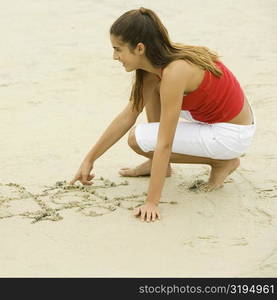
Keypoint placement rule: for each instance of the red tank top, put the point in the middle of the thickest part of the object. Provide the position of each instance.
(217, 99)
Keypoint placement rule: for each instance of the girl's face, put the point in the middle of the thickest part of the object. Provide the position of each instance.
(131, 61)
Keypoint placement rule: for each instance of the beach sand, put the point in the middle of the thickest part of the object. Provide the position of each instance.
(60, 88)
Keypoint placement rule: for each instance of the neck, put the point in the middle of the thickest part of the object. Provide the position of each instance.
(146, 66)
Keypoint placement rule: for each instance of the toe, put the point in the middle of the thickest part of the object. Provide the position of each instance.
(204, 187)
(121, 172)
(213, 187)
(125, 172)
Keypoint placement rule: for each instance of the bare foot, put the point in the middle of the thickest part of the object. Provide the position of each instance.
(219, 173)
(142, 170)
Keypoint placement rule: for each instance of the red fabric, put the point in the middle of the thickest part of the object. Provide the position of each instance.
(217, 99)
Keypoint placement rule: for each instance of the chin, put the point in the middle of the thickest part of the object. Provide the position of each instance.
(128, 69)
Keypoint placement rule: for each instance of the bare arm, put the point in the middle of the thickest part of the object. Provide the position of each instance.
(172, 88)
(117, 128)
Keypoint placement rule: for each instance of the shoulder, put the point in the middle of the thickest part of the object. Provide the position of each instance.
(178, 74)
(180, 71)
(183, 74)
(178, 67)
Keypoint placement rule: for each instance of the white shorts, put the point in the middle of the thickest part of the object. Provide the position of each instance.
(217, 141)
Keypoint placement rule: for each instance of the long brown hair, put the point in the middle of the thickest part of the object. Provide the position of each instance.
(144, 26)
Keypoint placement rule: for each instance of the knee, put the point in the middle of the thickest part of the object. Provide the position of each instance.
(132, 142)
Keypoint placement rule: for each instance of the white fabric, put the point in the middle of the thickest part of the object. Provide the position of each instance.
(217, 141)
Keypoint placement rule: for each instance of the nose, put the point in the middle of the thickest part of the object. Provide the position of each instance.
(115, 56)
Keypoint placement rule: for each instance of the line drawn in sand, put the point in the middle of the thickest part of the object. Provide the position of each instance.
(48, 204)
(90, 201)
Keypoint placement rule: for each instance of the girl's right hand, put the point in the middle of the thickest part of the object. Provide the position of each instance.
(83, 174)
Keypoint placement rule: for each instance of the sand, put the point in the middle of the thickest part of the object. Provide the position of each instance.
(59, 90)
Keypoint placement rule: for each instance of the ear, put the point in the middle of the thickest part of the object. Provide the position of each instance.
(140, 48)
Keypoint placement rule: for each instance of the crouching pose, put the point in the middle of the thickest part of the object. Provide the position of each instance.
(172, 81)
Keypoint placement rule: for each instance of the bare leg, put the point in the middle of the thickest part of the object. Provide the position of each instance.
(153, 111)
(143, 169)
(220, 169)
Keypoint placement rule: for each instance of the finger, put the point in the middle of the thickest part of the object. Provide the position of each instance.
(84, 177)
(73, 180)
(86, 183)
(148, 216)
(143, 215)
(136, 211)
(158, 214)
(91, 176)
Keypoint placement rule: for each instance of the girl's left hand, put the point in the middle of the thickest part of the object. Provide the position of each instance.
(148, 211)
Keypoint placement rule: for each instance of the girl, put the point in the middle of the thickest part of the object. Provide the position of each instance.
(173, 80)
